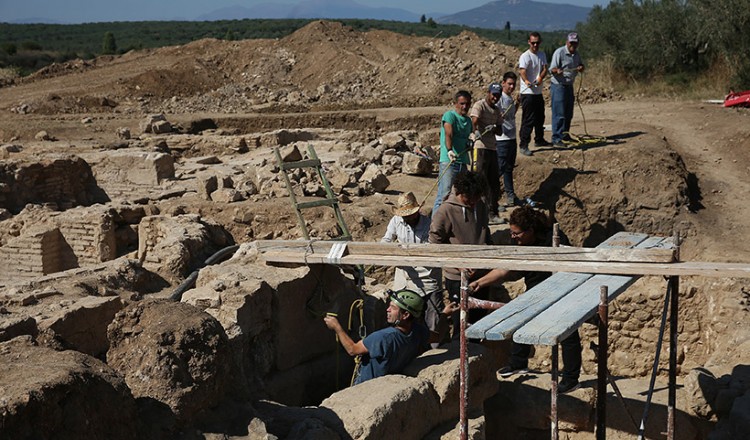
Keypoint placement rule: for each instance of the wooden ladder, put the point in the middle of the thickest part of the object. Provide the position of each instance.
(312, 162)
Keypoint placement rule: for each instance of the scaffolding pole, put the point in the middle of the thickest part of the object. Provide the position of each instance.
(464, 360)
(601, 389)
(554, 429)
(674, 282)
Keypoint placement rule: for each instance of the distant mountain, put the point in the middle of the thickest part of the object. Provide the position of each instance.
(311, 9)
(522, 14)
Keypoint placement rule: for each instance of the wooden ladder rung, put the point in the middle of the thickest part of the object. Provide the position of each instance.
(316, 203)
(308, 163)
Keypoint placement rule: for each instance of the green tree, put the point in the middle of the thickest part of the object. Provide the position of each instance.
(9, 48)
(507, 29)
(431, 23)
(422, 19)
(109, 46)
(229, 36)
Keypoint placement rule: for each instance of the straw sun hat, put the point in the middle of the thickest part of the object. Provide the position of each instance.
(406, 205)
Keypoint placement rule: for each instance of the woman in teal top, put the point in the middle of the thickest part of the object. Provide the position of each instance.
(454, 145)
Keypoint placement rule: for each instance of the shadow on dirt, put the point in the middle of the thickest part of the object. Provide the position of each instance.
(521, 410)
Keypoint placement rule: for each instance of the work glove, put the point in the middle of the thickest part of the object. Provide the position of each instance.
(452, 155)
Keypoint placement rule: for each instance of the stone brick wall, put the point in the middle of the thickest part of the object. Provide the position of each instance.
(31, 256)
(133, 174)
(74, 238)
(65, 181)
(90, 235)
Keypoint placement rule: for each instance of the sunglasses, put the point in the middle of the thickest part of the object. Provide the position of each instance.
(535, 43)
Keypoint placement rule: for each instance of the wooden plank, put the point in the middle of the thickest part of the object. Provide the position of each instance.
(565, 316)
(308, 163)
(502, 323)
(440, 251)
(716, 270)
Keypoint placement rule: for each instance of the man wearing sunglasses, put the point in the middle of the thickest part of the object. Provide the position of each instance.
(533, 69)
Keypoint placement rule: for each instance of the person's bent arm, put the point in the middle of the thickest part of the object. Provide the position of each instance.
(526, 81)
(542, 74)
(351, 347)
(390, 232)
(494, 276)
(448, 136)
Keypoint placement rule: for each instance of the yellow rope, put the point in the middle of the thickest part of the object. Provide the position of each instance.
(357, 359)
(578, 140)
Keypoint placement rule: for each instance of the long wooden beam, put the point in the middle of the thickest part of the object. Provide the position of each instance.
(477, 260)
(443, 251)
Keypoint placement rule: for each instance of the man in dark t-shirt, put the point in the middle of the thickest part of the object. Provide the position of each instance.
(391, 349)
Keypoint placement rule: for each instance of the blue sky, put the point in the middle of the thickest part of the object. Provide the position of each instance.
(80, 11)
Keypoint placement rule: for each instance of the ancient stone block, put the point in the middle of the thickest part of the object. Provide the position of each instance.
(16, 325)
(375, 177)
(82, 326)
(387, 411)
(174, 246)
(439, 366)
(146, 125)
(161, 127)
(123, 133)
(416, 165)
(206, 185)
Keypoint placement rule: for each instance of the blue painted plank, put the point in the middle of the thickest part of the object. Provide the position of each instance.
(564, 317)
(502, 323)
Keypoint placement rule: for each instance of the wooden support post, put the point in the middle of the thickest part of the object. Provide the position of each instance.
(601, 389)
(553, 386)
(464, 361)
(674, 282)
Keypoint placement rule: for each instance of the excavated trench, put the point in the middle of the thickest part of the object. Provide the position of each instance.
(265, 322)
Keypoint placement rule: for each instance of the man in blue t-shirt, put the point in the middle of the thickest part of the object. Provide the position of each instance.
(455, 128)
(391, 349)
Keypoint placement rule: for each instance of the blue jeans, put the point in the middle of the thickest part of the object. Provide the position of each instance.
(562, 110)
(506, 161)
(446, 181)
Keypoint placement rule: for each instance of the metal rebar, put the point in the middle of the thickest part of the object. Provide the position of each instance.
(674, 282)
(553, 396)
(464, 368)
(601, 389)
(554, 430)
(476, 303)
(655, 368)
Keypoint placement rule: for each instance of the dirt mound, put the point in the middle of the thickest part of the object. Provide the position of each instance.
(324, 65)
(171, 352)
(63, 395)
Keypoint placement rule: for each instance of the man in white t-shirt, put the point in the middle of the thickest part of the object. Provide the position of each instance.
(533, 68)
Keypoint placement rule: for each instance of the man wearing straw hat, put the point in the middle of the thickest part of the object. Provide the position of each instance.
(408, 225)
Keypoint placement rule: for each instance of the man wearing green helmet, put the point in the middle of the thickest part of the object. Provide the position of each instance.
(388, 350)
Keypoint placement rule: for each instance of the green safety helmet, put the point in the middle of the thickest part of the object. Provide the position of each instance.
(408, 300)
